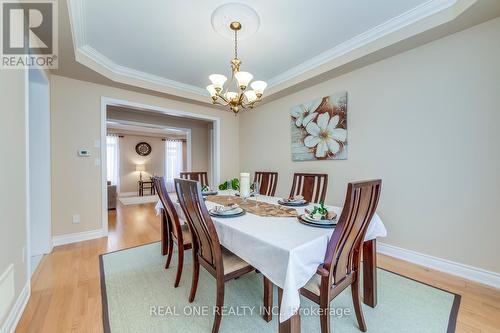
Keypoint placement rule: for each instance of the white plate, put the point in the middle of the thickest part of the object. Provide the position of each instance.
(227, 212)
(310, 219)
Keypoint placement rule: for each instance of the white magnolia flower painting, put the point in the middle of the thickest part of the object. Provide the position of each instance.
(319, 129)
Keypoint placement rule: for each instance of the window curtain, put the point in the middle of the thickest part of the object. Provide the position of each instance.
(173, 162)
(113, 159)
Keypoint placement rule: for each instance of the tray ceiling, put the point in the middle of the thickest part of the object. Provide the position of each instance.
(170, 46)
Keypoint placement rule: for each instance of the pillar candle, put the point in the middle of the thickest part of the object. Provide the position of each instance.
(244, 184)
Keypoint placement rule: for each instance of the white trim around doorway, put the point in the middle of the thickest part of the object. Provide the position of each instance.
(105, 101)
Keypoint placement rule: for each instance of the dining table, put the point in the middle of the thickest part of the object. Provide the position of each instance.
(284, 250)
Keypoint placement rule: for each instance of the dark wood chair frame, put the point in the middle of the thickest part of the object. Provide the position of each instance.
(312, 186)
(268, 182)
(172, 227)
(342, 264)
(201, 176)
(207, 249)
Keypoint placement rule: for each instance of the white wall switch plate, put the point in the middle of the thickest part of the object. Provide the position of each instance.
(76, 218)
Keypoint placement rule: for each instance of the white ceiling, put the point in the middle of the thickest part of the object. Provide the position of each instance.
(171, 47)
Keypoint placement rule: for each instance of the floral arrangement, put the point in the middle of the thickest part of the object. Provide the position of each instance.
(230, 184)
(323, 125)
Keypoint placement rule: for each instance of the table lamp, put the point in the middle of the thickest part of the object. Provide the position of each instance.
(140, 168)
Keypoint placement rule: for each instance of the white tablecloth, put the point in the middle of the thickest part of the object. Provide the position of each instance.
(284, 250)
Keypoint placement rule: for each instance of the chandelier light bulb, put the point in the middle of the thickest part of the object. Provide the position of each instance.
(259, 87)
(243, 78)
(218, 81)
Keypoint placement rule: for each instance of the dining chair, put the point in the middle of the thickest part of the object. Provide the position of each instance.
(342, 265)
(267, 181)
(176, 233)
(312, 186)
(221, 263)
(200, 176)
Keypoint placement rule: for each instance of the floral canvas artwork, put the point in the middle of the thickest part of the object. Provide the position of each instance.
(319, 129)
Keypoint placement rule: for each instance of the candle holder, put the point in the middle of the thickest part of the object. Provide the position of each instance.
(244, 186)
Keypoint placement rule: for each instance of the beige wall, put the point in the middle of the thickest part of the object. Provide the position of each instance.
(76, 181)
(200, 132)
(13, 237)
(427, 123)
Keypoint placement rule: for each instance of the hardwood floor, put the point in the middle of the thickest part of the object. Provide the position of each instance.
(66, 294)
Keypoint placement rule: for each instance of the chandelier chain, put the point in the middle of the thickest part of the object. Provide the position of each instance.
(236, 44)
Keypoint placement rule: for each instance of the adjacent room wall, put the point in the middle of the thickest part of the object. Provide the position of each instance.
(13, 204)
(426, 122)
(76, 181)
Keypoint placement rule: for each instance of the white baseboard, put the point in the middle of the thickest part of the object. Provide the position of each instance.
(35, 261)
(78, 237)
(10, 323)
(468, 272)
(128, 194)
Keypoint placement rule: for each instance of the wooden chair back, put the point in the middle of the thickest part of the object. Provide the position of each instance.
(268, 182)
(343, 254)
(200, 176)
(205, 240)
(312, 186)
(168, 205)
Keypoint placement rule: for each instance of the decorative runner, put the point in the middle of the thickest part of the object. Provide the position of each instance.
(254, 207)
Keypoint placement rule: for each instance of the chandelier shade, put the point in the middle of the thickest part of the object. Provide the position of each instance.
(251, 96)
(259, 87)
(211, 90)
(243, 79)
(217, 80)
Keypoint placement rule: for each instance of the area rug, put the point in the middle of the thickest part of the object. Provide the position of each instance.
(138, 295)
(138, 200)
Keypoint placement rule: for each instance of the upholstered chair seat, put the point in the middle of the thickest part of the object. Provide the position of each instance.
(232, 262)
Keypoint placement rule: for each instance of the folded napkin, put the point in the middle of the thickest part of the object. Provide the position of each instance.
(224, 209)
(297, 198)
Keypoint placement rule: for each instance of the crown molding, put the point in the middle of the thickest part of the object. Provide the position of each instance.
(118, 70)
(90, 57)
(417, 20)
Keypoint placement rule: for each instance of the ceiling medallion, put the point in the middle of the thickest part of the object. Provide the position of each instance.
(236, 95)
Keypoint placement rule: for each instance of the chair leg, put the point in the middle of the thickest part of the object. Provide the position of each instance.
(196, 274)
(356, 300)
(218, 306)
(170, 251)
(324, 317)
(268, 299)
(179, 266)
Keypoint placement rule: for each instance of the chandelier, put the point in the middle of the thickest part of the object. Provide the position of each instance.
(239, 98)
